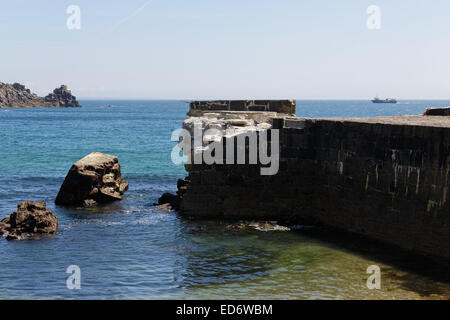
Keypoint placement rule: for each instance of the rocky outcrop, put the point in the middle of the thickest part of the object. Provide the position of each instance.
(169, 201)
(62, 97)
(17, 95)
(31, 220)
(94, 179)
(437, 112)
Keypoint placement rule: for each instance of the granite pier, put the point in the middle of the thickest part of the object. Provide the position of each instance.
(386, 178)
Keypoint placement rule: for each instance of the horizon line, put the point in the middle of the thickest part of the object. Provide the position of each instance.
(218, 99)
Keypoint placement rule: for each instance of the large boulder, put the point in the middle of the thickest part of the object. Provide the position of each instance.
(94, 179)
(30, 220)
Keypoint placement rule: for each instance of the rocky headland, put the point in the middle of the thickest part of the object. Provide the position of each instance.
(30, 220)
(17, 95)
(94, 179)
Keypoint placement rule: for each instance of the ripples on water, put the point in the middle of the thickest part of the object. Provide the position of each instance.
(128, 250)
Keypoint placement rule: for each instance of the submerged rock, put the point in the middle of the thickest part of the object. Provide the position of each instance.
(164, 207)
(169, 201)
(94, 179)
(30, 220)
(257, 225)
(268, 226)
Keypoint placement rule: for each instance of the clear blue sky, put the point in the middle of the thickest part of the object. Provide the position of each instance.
(316, 49)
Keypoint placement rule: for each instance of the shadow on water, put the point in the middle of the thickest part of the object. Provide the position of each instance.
(405, 267)
(312, 262)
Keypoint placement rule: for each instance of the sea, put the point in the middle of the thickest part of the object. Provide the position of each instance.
(129, 250)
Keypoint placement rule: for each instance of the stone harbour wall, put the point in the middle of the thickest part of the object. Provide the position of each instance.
(279, 106)
(384, 178)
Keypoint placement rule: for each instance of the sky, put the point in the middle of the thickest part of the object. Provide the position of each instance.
(233, 49)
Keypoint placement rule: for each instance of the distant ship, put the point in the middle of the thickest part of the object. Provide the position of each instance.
(378, 100)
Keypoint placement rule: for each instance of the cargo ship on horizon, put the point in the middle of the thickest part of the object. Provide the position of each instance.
(388, 100)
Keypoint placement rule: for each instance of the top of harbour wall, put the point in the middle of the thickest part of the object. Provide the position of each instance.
(279, 106)
(404, 120)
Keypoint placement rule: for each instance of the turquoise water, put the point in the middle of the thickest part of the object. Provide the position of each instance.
(128, 250)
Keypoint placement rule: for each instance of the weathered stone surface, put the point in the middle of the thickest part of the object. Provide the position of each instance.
(279, 106)
(94, 179)
(437, 112)
(62, 97)
(30, 220)
(16, 95)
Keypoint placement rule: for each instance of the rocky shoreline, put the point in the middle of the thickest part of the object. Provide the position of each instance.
(17, 95)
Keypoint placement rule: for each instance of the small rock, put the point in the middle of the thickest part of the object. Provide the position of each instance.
(257, 225)
(173, 200)
(236, 226)
(164, 207)
(30, 220)
(268, 226)
(89, 203)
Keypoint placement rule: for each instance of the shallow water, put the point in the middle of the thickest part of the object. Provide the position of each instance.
(128, 250)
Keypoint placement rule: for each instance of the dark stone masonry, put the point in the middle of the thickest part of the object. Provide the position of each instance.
(386, 178)
(280, 106)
